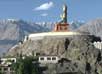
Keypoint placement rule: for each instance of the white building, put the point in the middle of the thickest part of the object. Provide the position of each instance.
(48, 59)
(5, 65)
(37, 36)
(7, 61)
(98, 45)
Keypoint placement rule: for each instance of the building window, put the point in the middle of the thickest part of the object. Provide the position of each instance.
(9, 65)
(5, 69)
(41, 58)
(11, 69)
(61, 28)
(53, 58)
(13, 61)
(0, 69)
(65, 28)
(1, 61)
(48, 58)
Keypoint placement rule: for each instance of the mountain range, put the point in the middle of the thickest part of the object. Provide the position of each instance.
(94, 27)
(13, 30)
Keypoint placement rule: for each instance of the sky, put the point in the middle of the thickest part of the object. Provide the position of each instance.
(50, 10)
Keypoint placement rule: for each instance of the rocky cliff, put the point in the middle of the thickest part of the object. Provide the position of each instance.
(81, 57)
(78, 52)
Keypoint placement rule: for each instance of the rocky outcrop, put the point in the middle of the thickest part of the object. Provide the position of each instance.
(84, 54)
(80, 55)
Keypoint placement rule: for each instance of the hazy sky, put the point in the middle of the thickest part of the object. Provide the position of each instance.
(49, 10)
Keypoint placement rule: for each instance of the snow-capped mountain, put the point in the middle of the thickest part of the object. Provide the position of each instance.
(49, 25)
(76, 24)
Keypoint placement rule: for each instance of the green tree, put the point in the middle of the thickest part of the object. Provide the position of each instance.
(1, 71)
(27, 65)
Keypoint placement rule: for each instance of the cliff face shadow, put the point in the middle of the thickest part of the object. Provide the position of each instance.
(66, 43)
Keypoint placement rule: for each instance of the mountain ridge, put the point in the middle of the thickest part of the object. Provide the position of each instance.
(13, 31)
(93, 27)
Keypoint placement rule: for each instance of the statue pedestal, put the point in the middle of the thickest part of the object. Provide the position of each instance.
(61, 27)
